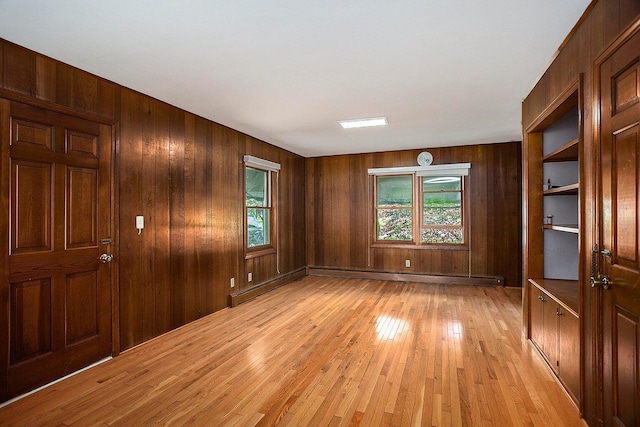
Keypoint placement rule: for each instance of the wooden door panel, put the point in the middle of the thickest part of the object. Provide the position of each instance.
(625, 366)
(81, 306)
(536, 312)
(619, 233)
(31, 207)
(626, 88)
(81, 209)
(551, 331)
(81, 144)
(625, 162)
(53, 263)
(32, 135)
(60, 206)
(30, 319)
(569, 352)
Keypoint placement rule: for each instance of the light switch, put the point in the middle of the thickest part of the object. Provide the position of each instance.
(139, 223)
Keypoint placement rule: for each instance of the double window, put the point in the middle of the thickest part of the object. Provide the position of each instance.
(420, 206)
(260, 192)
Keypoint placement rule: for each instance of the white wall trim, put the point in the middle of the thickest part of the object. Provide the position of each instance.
(259, 163)
(458, 169)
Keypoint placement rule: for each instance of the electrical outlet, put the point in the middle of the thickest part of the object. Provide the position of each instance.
(250, 277)
(407, 263)
(233, 282)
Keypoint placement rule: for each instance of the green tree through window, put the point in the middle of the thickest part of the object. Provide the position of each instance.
(258, 206)
(437, 219)
(394, 208)
(442, 210)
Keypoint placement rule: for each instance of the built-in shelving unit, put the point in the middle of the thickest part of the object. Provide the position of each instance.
(567, 228)
(565, 190)
(551, 305)
(566, 291)
(568, 152)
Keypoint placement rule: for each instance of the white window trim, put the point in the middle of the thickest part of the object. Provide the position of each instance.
(458, 169)
(259, 163)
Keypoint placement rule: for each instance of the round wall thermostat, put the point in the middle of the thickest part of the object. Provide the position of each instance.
(425, 158)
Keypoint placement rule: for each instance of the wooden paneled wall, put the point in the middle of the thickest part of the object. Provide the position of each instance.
(185, 175)
(26, 75)
(599, 26)
(339, 214)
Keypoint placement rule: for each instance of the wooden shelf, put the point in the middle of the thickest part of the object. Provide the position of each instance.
(566, 292)
(566, 153)
(565, 190)
(567, 228)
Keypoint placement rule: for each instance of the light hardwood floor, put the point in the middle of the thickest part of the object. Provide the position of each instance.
(321, 352)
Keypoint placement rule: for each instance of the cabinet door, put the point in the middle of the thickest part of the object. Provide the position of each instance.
(550, 331)
(569, 352)
(536, 317)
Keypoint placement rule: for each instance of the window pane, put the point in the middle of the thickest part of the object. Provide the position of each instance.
(442, 183)
(442, 209)
(394, 224)
(442, 235)
(257, 227)
(395, 191)
(256, 187)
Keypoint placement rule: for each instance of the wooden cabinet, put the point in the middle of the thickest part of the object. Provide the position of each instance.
(551, 307)
(536, 316)
(568, 361)
(555, 330)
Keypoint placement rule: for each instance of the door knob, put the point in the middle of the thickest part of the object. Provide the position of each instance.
(604, 281)
(105, 258)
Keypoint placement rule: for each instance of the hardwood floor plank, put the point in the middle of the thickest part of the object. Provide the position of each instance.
(323, 351)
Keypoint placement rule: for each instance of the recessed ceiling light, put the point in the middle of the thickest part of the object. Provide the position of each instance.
(363, 123)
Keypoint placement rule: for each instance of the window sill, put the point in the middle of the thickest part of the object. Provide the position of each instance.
(438, 247)
(260, 252)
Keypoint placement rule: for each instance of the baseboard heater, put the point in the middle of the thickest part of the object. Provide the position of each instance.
(407, 277)
(246, 295)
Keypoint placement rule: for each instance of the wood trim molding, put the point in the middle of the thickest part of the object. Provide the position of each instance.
(58, 108)
(556, 107)
(407, 277)
(246, 295)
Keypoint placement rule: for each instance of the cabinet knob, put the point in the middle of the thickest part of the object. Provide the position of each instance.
(558, 313)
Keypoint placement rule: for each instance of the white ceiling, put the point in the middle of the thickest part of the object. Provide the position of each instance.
(444, 72)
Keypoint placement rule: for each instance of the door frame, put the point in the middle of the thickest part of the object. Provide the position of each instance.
(597, 309)
(6, 97)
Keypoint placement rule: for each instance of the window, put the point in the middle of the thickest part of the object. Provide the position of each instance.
(394, 208)
(258, 205)
(420, 204)
(260, 176)
(442, 212)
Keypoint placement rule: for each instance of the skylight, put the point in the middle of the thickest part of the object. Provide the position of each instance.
(363, 123)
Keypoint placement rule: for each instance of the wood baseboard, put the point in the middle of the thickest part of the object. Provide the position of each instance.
(407, 277)
(246, 295)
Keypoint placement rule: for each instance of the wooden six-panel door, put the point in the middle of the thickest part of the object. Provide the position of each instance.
(56, 292)
(619, 278)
